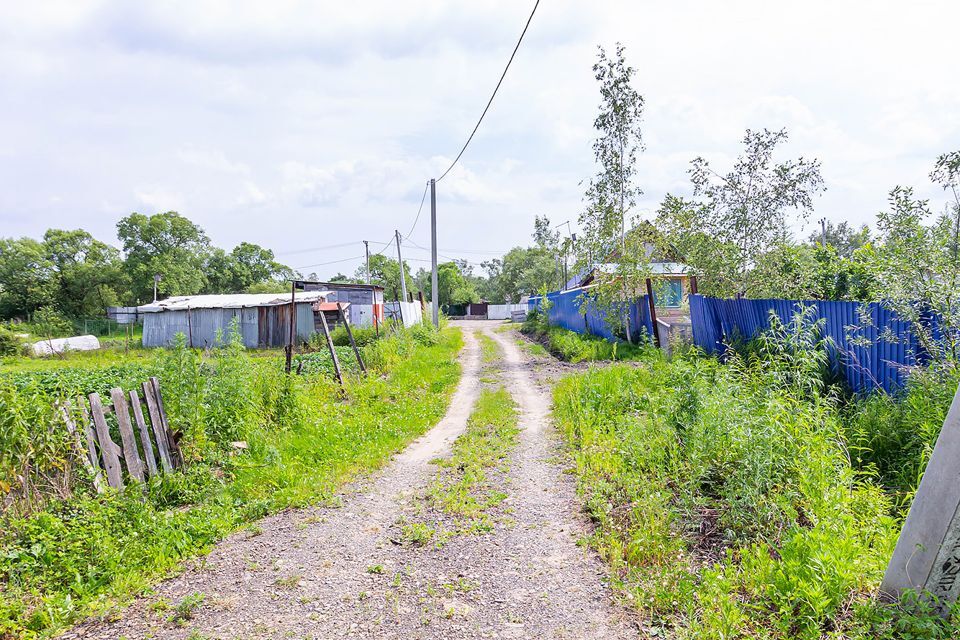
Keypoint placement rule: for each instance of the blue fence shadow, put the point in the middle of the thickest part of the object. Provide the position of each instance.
(872, 348)
(574, 310)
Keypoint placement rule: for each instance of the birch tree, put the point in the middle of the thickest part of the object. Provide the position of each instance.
(613, 192)
(736, 217)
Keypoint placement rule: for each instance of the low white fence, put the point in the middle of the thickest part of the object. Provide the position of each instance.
(411, 312)
(504, 311)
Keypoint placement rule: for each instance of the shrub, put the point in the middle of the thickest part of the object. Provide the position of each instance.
(10, 344)
(725, 498)
(361, 335)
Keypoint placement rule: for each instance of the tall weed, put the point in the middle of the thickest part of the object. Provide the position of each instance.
(725, 497)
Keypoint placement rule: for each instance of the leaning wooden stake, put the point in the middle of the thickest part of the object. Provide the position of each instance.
(353, 343)
(333, 352)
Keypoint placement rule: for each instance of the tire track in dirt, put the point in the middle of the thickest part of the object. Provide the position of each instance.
(268, 585)
(347, 572)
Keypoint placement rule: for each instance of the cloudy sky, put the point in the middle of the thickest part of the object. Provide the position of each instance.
(301, 125)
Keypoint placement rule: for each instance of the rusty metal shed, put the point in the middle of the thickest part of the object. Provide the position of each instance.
(263, 318)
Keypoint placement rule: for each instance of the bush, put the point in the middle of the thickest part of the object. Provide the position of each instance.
(10, 344)
(892, 437)
(67, 555)
(361, 335)
(725, 499)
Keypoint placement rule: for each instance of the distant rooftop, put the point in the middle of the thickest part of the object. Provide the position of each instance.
(231, 301)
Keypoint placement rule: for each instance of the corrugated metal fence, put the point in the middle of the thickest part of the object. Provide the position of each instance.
(574, 310)
(871, 346)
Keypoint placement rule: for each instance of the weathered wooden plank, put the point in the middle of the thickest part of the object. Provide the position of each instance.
(108, 450)
(175, 455)
(158, 430)
(333, 352)
(89, 463)
(144, 433)
(130, 454)
(353, 343)
(90, 434)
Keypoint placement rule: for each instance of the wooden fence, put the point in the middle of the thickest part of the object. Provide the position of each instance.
(140, 450)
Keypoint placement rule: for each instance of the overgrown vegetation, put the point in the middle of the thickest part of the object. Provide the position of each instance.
(574, 347)
(726, 500)
(465, 487)
(465, 491)
(70, 554)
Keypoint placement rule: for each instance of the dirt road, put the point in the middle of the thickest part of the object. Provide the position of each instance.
(347, 572)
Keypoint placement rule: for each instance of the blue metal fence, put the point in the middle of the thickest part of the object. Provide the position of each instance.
(575, 310)
(872, 348)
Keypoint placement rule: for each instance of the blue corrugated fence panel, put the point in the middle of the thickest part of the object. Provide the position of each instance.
(871, 347)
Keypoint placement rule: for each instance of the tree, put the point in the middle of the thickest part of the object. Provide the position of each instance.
(805, 272)
(917, 265)
(385, 272)
(454, 287)
(842, 237)
(26, 277)
(89, 274)
(166, 244)
(247, 265)
(737, 217)
(612, 193)
(521, 272)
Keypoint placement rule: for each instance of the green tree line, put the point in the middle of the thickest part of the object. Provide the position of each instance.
(77, 275)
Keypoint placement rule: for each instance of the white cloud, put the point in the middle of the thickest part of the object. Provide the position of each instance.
(158, 198)
(257, 118)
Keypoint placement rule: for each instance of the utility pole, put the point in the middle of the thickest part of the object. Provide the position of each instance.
(434, 285)
(366, 250)
(823, 232)
(403, 279)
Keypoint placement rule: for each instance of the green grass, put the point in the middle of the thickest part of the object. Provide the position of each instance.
(489, 349)
(726, 503)
(464, 489)
(65, 559)
(576, 347)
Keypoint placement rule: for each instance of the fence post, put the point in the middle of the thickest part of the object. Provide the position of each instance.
(653, 314)
(353, 343)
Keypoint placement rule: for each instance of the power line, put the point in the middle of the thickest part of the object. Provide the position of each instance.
(417, 219)
(386, 245)
(321, 264)
(440, 254)
(329, 246)
(494, 94)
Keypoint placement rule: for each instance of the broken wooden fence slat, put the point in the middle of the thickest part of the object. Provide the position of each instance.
(176, 457)
(91, 437)
(157, 425)
(108, 449)
(90, 464)
(130, 453)
(144, 433)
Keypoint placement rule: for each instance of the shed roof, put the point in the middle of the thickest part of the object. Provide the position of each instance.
(611, 268)
(231, 301)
